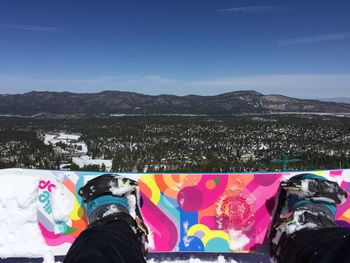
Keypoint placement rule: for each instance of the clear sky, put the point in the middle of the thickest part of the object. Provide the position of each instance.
(298, 48)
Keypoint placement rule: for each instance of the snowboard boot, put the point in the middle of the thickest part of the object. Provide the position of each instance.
(304, 202)
(112, 197)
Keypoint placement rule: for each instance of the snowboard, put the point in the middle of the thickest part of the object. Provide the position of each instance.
(185, 212)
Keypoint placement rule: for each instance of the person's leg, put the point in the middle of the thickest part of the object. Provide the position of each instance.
(116, 232)
(317, 246)
(303, 225)
(109, 243)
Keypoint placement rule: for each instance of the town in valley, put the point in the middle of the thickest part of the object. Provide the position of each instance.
(188, 143)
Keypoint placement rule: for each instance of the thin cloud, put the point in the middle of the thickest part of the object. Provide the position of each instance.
(254, 9)
(152, 79)
(302, 85)
(137, 83)
(294, 85)
(313, 39)
(34, 28)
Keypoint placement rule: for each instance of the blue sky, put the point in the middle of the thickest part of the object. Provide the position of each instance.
(297, 48)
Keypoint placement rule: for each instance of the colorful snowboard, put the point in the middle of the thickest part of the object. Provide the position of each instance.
(185, 212)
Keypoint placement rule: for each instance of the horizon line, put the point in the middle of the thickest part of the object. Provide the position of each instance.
(168, 94)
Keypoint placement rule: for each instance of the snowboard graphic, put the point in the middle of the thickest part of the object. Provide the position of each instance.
(214, 212)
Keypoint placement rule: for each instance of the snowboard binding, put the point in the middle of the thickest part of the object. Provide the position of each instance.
(304, 202)
(112, 197)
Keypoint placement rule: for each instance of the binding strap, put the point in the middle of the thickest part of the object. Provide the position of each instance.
(102, 184)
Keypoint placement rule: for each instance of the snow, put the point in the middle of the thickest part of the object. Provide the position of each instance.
(21, 236)
(342, 198)
(305, 187)
(60, 137)
(66, 136)
(120, 188)
(83, 160)
(61, 204)
(295, 225)
(131, 199)
(324, 199)
(49, 138)
(238, 240)
(112, 209)
(19, 230)
(186, 239)
(263, 146)
(125, 188)
(185, 225)
(84, 148)
(71, 140)
(304, 191)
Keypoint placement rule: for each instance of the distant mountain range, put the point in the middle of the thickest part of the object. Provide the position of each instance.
(338, 99)
(116, 102)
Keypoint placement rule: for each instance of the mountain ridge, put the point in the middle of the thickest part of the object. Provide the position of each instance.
(125, 102)
(337, 99)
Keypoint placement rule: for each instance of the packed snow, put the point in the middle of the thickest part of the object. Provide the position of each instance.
(19, 230)
(120, 188)
(61, 205)
(125, 188)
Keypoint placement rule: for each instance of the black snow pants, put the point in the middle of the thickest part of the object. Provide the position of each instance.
(114, 242)
(326, 245)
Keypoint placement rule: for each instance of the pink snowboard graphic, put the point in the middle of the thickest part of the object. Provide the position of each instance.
(186, 212)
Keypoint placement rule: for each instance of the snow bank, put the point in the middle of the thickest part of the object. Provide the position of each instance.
(19, 230)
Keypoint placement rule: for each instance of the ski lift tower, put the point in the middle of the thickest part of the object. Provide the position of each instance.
(284, 161)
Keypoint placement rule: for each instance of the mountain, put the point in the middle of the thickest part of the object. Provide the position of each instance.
(117, 102)
(337, 99)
